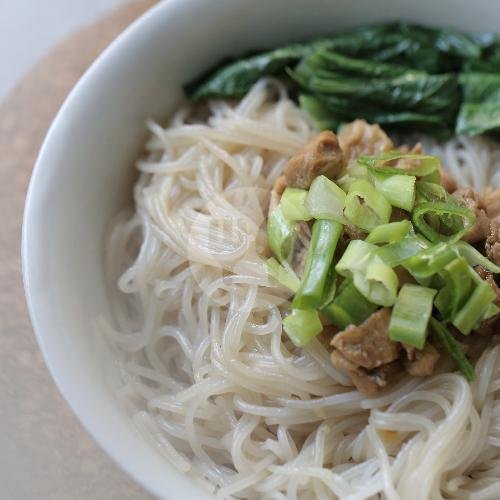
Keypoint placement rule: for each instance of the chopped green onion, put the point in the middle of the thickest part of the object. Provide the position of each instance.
(353, 172)
(430, 261)
(452, 218)
(411, 314)
(365, 207)
(452, 347)
(373, 278)
(474, 309)
(293, 204)
(325, 200)
(398, 190)
(281, 234)
(433, 177)
(282, 274)
(474, 257)
(430, 191)
(492, 310)
(355, 258)
(422, 165)
(379, 284)
(457, 288)
(389, 233)
(398, 252)
(349, 307)
(302, 326)
(314, 283)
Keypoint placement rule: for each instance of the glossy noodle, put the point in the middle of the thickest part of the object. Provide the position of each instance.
(206, 371)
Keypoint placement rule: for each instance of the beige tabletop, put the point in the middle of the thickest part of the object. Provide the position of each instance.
(45, 454)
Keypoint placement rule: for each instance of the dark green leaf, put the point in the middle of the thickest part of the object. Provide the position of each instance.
(236, 79)
(480, 109)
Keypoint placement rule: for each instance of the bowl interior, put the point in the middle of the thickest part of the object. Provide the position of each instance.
(85, 171)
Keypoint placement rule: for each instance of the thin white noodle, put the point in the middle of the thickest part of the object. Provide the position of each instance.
(206, 372)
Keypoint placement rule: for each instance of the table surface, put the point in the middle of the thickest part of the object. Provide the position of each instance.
(30, 28)
(44, 451)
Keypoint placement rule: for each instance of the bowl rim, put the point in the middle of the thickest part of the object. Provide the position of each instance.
(41, 166)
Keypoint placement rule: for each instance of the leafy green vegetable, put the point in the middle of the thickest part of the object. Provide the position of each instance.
(396, 74)
(480, 110)
(237, 78)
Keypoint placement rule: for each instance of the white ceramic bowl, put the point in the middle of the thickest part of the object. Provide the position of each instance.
(84, 172)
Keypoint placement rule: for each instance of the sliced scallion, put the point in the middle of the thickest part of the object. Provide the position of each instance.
(283, 274)
(373, 278)
(398, 252)
(410, 315)
(325, 200)
(353, 172)
(389, 233)
(302, 326)
(430, 191)
(418, 165)
(379, 284)
(349, 307)
(398, 190)
(457, 287)
(452, 347)
(281, 234)
(430, 261)
(474, 257)
(365, 207)
(316, 281)
(468, 317)
(293, 204)
(442, 221)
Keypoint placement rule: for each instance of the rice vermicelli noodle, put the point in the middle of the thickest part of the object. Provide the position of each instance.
(206, 372)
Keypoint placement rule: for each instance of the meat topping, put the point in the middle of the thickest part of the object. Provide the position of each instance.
(368, 381)
(491, 201)
(468, 198)
(422, 362)
(320, 156)
(368, 345)
(489, 278)
(447, 181)
(492, 244)
(278, 188)
(361, 138)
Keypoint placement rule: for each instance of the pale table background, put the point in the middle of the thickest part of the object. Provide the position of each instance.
(45, 454)
(29, 28)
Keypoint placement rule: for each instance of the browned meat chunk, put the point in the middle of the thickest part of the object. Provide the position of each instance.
(421, 363)
(361, 138)
(492, 244)
(489, 278)
(468, 198)
(354, 233)
(278, 188)
(491, 202)
(405, 163)
(398, 214)
(447, 181)
(368, 345)
(368, 381)
(320, 156)
(489, 326)
(416, 149)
